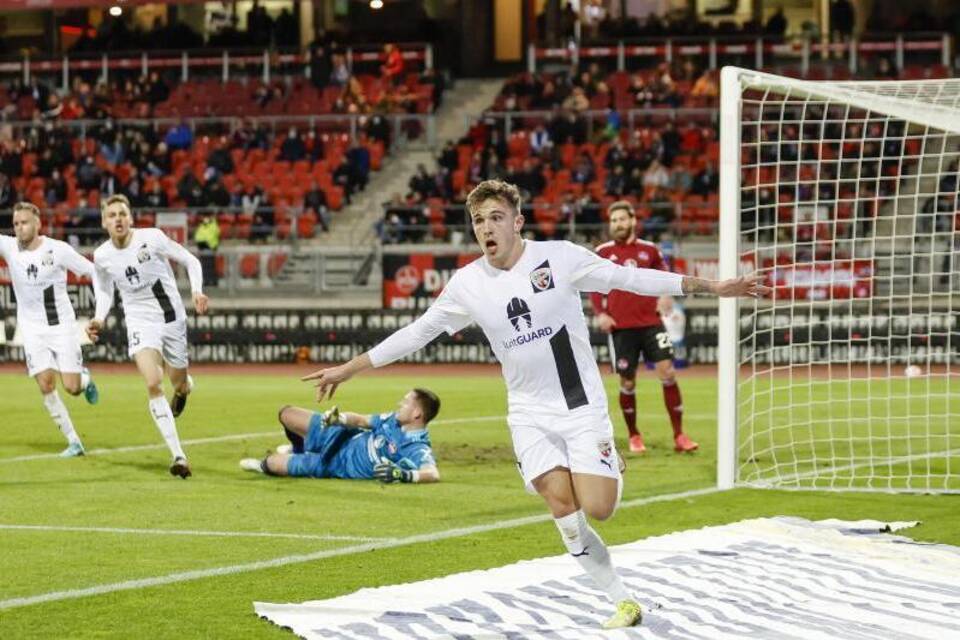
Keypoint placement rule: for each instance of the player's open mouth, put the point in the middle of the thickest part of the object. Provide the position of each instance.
(491, 245)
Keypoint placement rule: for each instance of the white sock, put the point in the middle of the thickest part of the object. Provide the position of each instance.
(585, 545)
(163, 418)
(84, 378)
(58, 411)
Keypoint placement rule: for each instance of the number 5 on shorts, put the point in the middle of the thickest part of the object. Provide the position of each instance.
(135, 339)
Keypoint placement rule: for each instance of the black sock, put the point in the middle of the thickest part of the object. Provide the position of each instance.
(295, 439)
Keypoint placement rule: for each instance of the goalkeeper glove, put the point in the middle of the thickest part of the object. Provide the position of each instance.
(388, 473)
(331, 416)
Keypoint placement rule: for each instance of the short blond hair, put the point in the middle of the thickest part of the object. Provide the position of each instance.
(27, 206)
(114, 199)
(498, 189)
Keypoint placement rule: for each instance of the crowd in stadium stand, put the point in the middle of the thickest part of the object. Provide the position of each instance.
(258, 177)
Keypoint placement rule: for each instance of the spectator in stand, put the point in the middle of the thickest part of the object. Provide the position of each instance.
(179, 137)
(885, 70)
(190, 190)
(109, 184)
(57, 189)
(155, 198)
(540, 140)
(449, 157)
(8, 197)
(422, 181)
(219, 158)
(88, 173)
(706, 86)
(577, 100)
(207, 237)
(315, 200)
(661, 214)
(530, 179)
(842, 20)
(358, 156)
(215, 193)
(616, 182)
(340, 74)
(655, 177)
(158, 91)
(392, 68)
(777, 24)
(583, 171)
(160, 164)
(292, 148)
(493, 169)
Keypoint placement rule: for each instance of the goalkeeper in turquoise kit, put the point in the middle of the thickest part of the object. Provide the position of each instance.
(391, 447)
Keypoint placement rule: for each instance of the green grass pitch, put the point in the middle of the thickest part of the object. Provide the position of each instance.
(132, 490)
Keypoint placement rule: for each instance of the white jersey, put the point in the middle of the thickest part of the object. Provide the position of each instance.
(532, 315)
(142, 273)
(40, 282)
(675, 323)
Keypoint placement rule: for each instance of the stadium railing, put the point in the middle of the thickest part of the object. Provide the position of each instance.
(930, 48)
(225, 64)
(404, 127)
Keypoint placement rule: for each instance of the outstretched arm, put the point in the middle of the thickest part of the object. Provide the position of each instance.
(592, 273)
(443, 315)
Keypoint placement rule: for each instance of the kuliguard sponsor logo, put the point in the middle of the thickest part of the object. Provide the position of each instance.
(519, 314)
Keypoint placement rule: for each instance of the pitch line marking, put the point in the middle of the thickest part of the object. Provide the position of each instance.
(182, 532)
(144, 583)
(244, 436)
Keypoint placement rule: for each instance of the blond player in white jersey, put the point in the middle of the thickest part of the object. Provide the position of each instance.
(136, 261)
(526, 297)
(38, 269)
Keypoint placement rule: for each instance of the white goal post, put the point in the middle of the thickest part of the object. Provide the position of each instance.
(843, 196)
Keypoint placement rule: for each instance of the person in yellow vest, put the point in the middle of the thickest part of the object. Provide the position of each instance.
(207, 237)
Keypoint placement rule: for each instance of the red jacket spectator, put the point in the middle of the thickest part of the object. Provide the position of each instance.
(392, 67)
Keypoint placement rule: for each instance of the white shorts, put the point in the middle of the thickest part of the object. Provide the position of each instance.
(169, 339)
(57, 349)
(582, 443)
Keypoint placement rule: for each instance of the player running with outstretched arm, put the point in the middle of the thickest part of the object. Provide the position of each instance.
(525, 296)
(38, 269)
(635, 328)
(136, 261)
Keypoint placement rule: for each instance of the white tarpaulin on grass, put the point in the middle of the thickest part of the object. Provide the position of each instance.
(766, 578)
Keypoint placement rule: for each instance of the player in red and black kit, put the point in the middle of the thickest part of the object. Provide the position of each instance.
(635, 327)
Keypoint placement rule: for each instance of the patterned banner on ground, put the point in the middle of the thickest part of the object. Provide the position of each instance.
(764, 578)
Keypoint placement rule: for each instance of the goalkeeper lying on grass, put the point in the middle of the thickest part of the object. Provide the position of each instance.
(391, 447)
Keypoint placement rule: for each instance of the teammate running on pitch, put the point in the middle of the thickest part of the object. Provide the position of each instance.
(635, 328)
(525, 296)
(391, 447)
(136, 261)
(38, 269)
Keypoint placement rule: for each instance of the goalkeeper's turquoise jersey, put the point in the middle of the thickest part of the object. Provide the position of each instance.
(343, 452)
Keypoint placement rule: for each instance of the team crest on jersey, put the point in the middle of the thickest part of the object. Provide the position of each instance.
(542, 277)
(143, 254)
(391, 447)
(48, 259)
(32, 271)
(605, 447)
(644, 255)
(133, 276)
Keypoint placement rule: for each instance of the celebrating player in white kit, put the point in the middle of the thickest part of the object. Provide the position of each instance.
(526, 298)
(136, 261)
(38, 269)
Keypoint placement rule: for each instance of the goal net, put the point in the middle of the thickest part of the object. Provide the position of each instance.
(843, 197)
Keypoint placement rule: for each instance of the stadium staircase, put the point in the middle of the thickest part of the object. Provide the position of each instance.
(351, 254)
